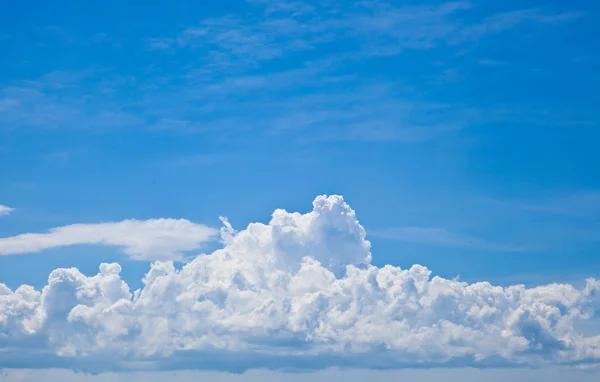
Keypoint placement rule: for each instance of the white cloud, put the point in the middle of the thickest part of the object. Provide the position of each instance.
(154, 239)
(298, 292)
(5, 210)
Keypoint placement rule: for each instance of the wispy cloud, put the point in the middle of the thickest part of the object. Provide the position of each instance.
(154, 239)
(557, 221)
(323, 39)
(492, 62)
(61, 158)
(61, 99)
(440, 237)
(199, 160)
(309, 98)
(5, 210)
(512, 19)
(228, 92)
(576, 204)
(368, 28)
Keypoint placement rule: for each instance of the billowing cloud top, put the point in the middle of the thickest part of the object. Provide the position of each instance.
(298, 292)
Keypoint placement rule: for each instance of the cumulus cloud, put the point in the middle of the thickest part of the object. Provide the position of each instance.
(297, 292)
(154, 239)
(5, 210)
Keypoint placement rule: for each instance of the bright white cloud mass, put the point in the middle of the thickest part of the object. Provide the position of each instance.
(154, 239)
(295, 293)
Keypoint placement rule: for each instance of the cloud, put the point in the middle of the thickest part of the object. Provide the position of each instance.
(319, 90)
(512, 19)
(199, 160)
(492, 63)
(269, 30)
(319, 109)
(62, 100)
(298, 292)
(551, 374)
(552, 221)
(580, 203)
(439, 236)
(154, 239)
(5, 210)
(272, 104)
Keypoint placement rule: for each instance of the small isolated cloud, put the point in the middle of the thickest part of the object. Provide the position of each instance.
(154, 239)
(5, 210)
(298, 292)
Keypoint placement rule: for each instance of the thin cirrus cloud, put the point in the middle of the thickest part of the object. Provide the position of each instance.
(298, 292)
(372, 28)
(153, 239)
(440, 237)
(5, 210)
(230, 50)
(582, 203)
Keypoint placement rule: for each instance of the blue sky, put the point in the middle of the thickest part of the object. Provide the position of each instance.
(463, 134)
(477, 119)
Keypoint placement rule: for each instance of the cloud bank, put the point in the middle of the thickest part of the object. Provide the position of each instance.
(5, 210)
(298, 292)
(154, 239)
